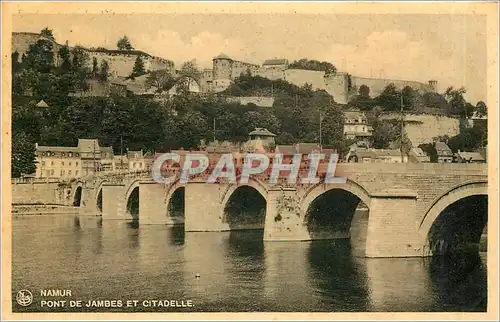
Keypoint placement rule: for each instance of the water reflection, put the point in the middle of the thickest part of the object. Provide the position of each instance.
(237, 270)
(459, 280)
(340, 277)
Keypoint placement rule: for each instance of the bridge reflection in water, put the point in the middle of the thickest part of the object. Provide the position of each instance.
(237, 270)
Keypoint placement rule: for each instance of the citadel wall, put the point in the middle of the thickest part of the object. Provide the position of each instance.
(121, 63)
(300, 77)
(377, 85)
(424, 128)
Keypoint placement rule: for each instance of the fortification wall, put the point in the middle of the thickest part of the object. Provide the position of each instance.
(300, 77)
(423, 128)
(36, 193)
(337, 86)
(119, 64)
(377, 85)
(271, 73)
(122, 64)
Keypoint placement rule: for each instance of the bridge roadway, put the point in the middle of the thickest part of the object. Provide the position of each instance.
(404, 200)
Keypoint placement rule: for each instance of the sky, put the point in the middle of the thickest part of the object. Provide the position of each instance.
(448, 48)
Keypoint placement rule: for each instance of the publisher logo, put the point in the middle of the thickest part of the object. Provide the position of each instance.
(24, 298)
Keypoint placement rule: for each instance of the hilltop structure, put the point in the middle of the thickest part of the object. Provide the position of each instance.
(121, 62)
(342, 86)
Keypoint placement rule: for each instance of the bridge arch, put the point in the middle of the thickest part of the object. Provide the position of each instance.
(317, 190)
(97, 202)
(329, 211)
(440, 204)
(175, 202)
(77, 194)
(248, 211)
(132, 198)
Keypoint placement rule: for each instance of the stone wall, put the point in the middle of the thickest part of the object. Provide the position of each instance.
(300, 77)
(423, 128)
(40, 193)
(119, 64)
(377, 85)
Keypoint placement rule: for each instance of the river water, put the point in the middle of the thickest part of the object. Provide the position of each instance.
(238, 272)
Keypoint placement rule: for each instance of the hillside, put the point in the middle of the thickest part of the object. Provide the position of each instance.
(120, 62)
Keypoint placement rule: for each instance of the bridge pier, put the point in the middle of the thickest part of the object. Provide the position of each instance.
(113, 201)
(392, 225)
(283, 222)
(152, 205)
(203, 207)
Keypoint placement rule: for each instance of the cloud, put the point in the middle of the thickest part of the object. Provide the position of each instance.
(391, 54)
(203, 46)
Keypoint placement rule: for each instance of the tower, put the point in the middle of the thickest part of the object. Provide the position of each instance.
(433, 85)
(222, 67)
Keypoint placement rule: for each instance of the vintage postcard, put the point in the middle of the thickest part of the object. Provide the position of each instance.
(242, 161)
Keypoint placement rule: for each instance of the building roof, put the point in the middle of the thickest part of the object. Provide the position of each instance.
(471, 156)
(276, 61)
(443, 149)
(222, 56)
(131, 154)
(88, 145)
(42, 148)
(354, 115)
(306, 148)
(108, 150)
(377, 153)
(419, 152)
(262, 132)
(42, 104)
(286, 149)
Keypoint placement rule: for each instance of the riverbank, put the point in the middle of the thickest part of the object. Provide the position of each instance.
(34, 210)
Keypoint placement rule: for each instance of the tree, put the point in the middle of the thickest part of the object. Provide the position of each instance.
(364, 91)
(103, 71)
(46, 32)
(23, 155)
(481, 109)
(95, 67)
(138, 69)
(162, 80)
(411, 98)
(124, 44)
(308, 64)
(390, 98)
(65, 55)
(458, 104)
(40, 57)
(81, 60)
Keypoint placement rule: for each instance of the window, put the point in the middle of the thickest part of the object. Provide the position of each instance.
(77, 155)
(63, 154)
(43, 163)
(62, 163)
(52, 171)
(76, 163)
(76, 172)
(70, 154)
(69, 172)
(51, 162)
(69, 164)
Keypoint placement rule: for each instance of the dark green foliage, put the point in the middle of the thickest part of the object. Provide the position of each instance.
(138, 69)
(309, 64)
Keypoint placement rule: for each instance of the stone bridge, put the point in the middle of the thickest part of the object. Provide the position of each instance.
(405, 202)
